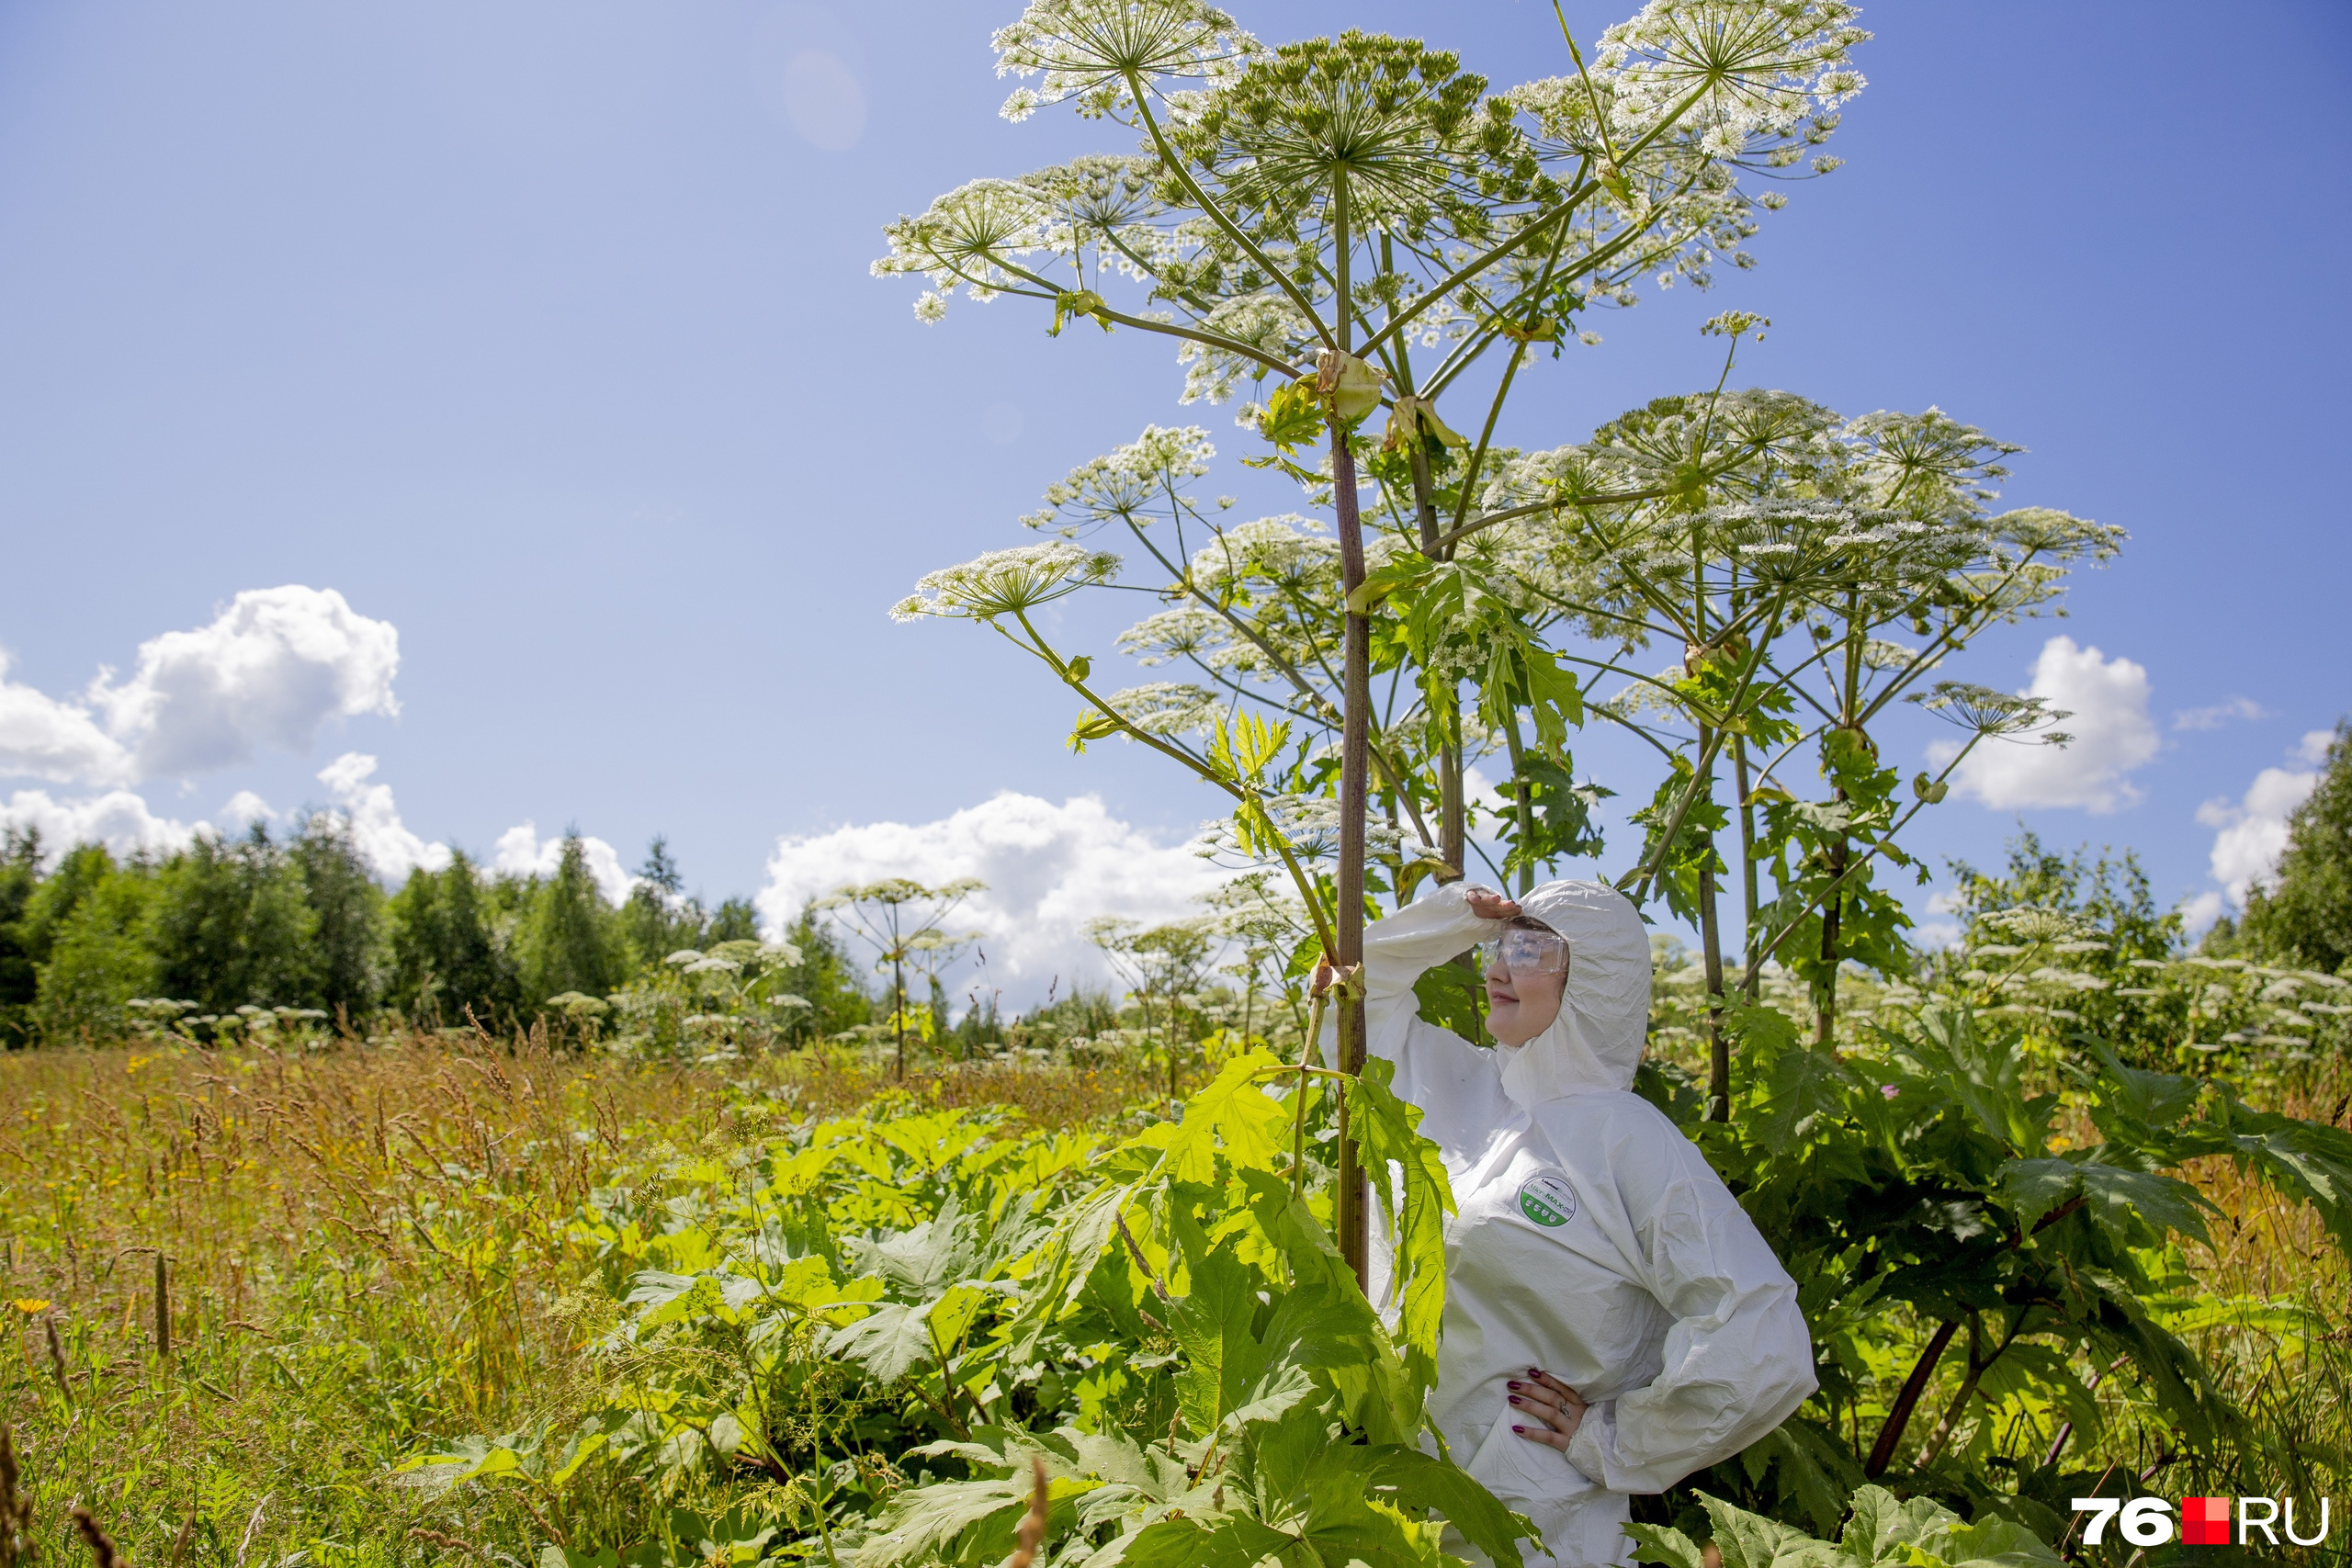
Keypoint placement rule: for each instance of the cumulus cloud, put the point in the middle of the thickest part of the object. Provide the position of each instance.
(520, 852)
(376, 825)
(47, 738)
(2219, 714)
(1049, 869)
(244, 809)
(2251, 830)
(2105, 701)
(270, 670)
(119, 819)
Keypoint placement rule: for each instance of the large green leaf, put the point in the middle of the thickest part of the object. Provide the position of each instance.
(1233, 1541)
(1665, 1545)
(921, 1261)
(2134, 1207)
(1233, 1117)
(1387, 1133)
(1413, 1480)
(1224, 1357)
(888, 1341)
(1798, 1082)
(1987, 1076)
(1751, 1540)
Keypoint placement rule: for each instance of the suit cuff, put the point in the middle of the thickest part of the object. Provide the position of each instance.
(1587, 1451)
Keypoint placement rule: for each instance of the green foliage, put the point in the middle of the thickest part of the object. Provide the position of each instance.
(1163, 1323)
(449, 962)
(2075, 946)
(2305, 918)
(89, 925)
(348, 942)
(234, 926)
(1923, 1177)
(571, 940)
(199, 946)
(19, 977)
(709, 1005)
(1884, 1529)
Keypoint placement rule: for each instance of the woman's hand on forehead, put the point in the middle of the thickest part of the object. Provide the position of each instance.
(1489, 905)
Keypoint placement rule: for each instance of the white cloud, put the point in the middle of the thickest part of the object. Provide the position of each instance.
(2106, 704)
(2201, 911)
(50, 739)
(2312, 748)
(269, 670)
(520, 852)
(2219, 714)
(244, 809)
(1049, 869)
(376, 825)
(2252, 832)
(119, 819)
(272, 667)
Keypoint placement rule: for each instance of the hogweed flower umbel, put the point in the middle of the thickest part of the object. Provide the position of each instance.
(1007, 582)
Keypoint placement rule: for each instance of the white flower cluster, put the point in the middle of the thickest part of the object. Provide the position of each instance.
(1091, 52)
(1126, 483)
(1169, 707)
(1763, 69)
(1006, 583)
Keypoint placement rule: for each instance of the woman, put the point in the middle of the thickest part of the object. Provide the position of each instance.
(1612, 1320)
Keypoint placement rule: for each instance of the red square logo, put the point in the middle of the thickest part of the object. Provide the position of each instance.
(2205, 1521)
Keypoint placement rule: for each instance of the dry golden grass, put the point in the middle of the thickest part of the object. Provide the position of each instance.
(362, 1248)
(365, 1249)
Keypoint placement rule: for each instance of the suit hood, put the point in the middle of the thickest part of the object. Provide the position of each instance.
(1596, 1041)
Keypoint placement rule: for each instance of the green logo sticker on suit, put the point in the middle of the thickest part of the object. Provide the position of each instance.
(1548, 1201)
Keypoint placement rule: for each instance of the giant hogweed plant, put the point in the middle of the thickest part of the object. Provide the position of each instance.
(887, 1324)
(2001, 1307)
(1779, 547)
(1314, 212)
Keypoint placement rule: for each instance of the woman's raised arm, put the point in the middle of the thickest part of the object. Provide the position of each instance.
(1401, 948)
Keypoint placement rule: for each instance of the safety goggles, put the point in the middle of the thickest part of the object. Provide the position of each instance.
(1520, 951)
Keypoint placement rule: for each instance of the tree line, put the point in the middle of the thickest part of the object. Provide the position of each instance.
(300, 921)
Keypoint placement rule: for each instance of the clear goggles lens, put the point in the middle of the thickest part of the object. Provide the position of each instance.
(1522, 951)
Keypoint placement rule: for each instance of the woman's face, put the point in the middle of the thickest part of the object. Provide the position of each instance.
(1526, 974)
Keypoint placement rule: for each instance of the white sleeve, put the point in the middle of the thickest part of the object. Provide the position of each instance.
(1455, 1082)
(1400, 950)
(1739, 1360)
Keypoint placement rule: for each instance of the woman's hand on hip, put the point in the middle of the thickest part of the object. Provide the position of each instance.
(1553, 1409)
(1488, 905)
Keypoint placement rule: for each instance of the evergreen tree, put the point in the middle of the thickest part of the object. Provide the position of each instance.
(348, 909)
(825, 979)
(447, 961)
(573, 941)
(657, 921)
(19, 876)
(2305, 918)
(735, 920)
(233, 925)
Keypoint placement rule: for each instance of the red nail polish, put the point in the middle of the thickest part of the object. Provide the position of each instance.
(1521, 1430)
(1515, 1399)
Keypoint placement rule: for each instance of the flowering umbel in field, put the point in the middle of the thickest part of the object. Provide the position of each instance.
(1314, 212)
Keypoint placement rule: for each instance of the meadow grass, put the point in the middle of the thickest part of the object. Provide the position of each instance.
(361, 1250)
(366, 1251)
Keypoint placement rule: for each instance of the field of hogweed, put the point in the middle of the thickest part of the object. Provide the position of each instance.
(354, 1252)
(445, 1303)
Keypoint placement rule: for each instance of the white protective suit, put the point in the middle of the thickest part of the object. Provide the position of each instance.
(1592, 1239)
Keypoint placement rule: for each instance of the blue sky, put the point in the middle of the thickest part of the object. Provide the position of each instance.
(542, 333)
